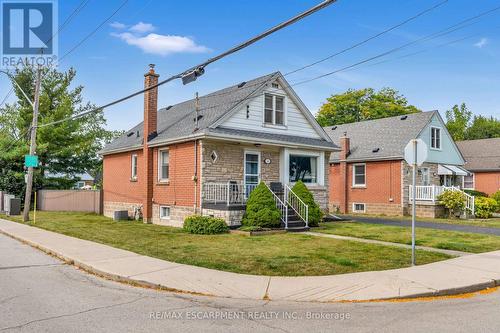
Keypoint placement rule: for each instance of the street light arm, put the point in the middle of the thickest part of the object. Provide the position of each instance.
(17, 84)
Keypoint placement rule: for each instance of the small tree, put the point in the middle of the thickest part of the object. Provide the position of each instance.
(454, 201)
(485, 207)
(261, 209)
(496, 197)
(315, 213)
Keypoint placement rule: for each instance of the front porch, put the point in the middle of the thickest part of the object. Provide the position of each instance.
(428, 195)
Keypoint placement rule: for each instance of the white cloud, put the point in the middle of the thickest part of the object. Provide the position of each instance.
(162, 44)
(482, 43)
(117, 25)
(142, 28)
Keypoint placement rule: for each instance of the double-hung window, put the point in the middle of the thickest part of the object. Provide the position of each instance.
(435, 138)
(469, 182)
(133, 173)
(359, 175)
(274, 109)
(163, 165)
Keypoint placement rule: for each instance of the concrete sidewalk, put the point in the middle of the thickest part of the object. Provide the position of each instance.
(457, 275)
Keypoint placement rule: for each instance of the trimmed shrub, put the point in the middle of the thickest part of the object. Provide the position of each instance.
(205, 225)
(476, 193)
(261, 209)
(496, 196)
(484, 207)
(315, 213)
(454, 201)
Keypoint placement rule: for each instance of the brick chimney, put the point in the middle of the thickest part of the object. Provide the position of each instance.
(149, 133)
(345, 146)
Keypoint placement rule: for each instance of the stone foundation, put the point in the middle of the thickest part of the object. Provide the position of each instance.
(177, 215)
(232, 217)
(320, 194)
(110, 207)
(427, 210)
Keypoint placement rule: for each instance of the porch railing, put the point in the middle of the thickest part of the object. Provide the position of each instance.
(230, 193)
(431, 193)
(297, 204)
(282, 206)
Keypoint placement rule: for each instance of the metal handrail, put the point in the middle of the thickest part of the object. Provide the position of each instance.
(281, 206)
(297, 204)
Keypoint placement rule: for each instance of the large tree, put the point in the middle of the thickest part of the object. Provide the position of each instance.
(462, 125)
(69, 147)
(363, 104)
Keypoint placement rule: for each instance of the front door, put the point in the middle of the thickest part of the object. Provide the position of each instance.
(252, 171)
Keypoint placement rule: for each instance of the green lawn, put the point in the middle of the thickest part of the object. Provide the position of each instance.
(282, 254)
(490, 223)
(441, 239)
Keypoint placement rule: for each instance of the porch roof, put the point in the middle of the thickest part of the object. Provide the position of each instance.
(445, 169)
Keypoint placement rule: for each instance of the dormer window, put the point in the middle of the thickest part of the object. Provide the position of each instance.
(274, 109)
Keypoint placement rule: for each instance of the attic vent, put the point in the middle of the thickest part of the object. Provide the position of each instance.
(275, 85)
(199, 117)
(169, 107)
(130, 134)
(375, 150)
(404, 117)
(137, 134)
(242, 84)
(334, 128)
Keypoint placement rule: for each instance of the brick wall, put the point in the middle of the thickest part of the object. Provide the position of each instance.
(117, 184)
(488, 182)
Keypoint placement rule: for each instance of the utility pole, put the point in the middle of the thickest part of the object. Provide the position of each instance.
(29, 181)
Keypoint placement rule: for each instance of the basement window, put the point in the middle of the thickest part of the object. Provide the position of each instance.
(358, 207)
(164, 212)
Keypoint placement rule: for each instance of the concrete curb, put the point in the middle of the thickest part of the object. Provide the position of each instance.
(451, 277)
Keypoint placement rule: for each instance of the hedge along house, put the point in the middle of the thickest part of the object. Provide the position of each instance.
(369, 174)
(482, 160)
(206, 155)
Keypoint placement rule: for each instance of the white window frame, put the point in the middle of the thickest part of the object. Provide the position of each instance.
(354, 175)
(133, 166)
(254, 152)
(285, 165)
(354, 210)
(473, 182)
(166, 217)
(428, 171)
(160, 178)
(273, 124)
(78, 184)
(440, 138)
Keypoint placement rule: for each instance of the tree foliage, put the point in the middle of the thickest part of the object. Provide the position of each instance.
(363, 104)
(68, 148)
(462, 125)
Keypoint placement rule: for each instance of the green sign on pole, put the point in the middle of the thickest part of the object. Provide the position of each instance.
(30, 161)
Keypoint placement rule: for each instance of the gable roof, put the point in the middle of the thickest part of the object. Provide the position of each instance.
(177, 122)
(390, 135)
(481, 155)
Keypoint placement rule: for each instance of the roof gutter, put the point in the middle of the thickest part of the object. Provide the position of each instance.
(372, 159)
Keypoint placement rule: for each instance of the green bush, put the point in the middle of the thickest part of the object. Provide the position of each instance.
(496, 197)
(315, 213)
(261, 209)
(484, 207)
(454, 201)
(205, 225)
(476, 193)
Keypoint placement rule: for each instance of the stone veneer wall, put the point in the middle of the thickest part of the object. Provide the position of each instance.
(110, 207)
(232, 217)
(177, 215)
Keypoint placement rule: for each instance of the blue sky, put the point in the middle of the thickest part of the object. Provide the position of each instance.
(175, 35)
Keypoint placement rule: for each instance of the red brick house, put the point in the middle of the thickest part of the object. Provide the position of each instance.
(482, 160)
(369, 174)
(205, 156)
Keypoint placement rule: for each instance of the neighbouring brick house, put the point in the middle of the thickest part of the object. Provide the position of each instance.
(369, 174)
(482, 160)
(204, 156)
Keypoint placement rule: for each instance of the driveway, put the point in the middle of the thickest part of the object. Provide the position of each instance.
(41, 294)
(429, 225)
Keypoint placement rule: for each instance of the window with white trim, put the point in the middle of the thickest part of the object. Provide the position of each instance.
(133, 173)
(359, 175)
(435, 138)
(358, 207)
(163, 165)
(274, 109)
(469, 182)
(164, 212)
(304, 168)
(426, 176)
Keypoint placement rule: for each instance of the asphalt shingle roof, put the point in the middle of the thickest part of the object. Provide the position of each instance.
(481, 155)
(390, 135)
(177, 121)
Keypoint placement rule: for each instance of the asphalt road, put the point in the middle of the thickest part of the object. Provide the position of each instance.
(40, 294)
(429, 225)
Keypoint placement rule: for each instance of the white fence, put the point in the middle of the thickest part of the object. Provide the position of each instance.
(431, 193)
(230, 193)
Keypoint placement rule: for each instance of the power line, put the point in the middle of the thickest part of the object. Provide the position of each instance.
(7, 96)
(369, 39)
(206, 63)
(75, 13)
(93, 31)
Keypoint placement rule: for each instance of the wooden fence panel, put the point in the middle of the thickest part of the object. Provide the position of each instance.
(70, 200)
